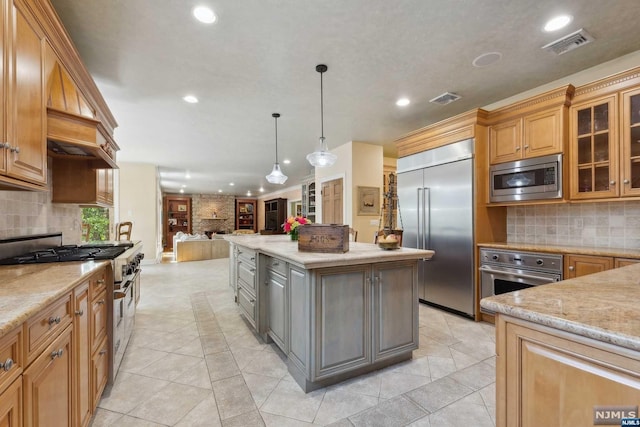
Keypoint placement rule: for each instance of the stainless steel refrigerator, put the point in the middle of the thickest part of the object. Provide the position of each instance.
(435, 194)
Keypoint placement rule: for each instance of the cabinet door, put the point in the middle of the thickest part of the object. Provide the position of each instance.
(26, 101)
(48, 386)
(98, 320)
(277, 311)
(395, 309)
(11, 405)
(82, 355)
(343, 320)
(631, 144)
(581, 265)
(542, 133)
(505, 141)
(99, 372)
(593, 162)
(299, 318)
(623, 262)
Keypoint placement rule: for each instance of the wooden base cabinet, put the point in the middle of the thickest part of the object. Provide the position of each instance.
(48, 385)
(547, 377)
(581, 265)
(82, 356)
(11, 405)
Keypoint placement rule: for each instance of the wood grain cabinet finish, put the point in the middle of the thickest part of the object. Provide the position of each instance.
(11, 357)
(41, 328)
(623, 262)
(547, 377)
(11, 405)
(24, 159)
(99, 372)
(76, 182)
(82, 355)
(582, 265)
(48, 385)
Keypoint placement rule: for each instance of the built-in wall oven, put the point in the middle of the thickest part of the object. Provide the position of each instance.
(503, 271)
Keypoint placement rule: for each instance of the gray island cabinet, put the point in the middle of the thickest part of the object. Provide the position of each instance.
(334, 316)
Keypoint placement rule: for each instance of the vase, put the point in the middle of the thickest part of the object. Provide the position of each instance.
(294, 235)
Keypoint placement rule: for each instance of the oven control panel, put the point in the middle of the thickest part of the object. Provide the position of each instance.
(538, 261)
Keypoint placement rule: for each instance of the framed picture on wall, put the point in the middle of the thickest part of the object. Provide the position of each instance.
(368, 200)
(182, 208)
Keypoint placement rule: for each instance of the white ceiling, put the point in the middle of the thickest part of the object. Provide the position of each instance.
(260, 58)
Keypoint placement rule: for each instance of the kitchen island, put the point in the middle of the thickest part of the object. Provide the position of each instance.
(568, 353)
(334, 316)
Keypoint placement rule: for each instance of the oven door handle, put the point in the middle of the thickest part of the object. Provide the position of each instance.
(122, 292)
(524, 276)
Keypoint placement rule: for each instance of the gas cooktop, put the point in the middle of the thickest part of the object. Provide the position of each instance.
(68, 253)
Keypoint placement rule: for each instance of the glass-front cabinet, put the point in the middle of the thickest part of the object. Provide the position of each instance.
(594, 149)
(631, 143)
(309, 199)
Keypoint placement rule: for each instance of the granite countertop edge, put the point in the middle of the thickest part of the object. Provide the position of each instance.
(27, 289)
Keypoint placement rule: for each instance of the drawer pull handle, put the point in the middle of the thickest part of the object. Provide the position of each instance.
(100, 282)
(101, 301)
(252, 301)
(253, 258)
(7, 365)
(103, 351)
(55, 354)
(571, 268)
(275, 263)
(79, 312)
(53, 320)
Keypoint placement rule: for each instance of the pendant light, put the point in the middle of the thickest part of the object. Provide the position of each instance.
(276, 176)
(323, 157)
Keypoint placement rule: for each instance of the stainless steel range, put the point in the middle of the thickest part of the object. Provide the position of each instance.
(507, 271)
(122, 294)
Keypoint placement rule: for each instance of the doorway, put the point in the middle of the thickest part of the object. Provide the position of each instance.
(332, 203)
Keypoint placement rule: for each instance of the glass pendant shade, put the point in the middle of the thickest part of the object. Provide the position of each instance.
(323, 157)
(276, 176)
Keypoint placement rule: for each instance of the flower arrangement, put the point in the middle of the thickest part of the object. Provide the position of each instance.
(292, 224)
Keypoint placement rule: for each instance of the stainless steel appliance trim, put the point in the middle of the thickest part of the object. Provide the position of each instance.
(514, 273)
(446, 154)
(540, 192)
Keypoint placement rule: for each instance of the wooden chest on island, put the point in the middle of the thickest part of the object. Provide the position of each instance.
(324, 238)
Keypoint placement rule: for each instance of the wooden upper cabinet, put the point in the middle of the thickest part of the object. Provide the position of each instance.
(74, 181)
(25, 157)
(582, 265)
(593, 161)
(630, 153)
(531, 128)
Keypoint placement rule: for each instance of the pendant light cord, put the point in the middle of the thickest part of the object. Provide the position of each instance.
(321, 108)
(276, 140)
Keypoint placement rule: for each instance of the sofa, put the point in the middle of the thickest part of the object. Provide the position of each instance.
(187, 247)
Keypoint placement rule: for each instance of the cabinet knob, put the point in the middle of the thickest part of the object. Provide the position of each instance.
(3, 144)
(571, 268)
(626, 181)
(104, 351)
(100, 281)
(526, 147)
(58, 353)
(517, 148)
(612, 182)
(53, 320)
(15, 149)
(7, 365)
(79, 312)
(101, 301)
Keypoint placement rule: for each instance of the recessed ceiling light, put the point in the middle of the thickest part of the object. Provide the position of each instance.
(487, 59)
(248, 193)
(204, 15)
(286, 161)
(190, 99)
(261, 190)
(403, 102)
(187, 175)
(182, 190)
(557, 22)
(220, 190)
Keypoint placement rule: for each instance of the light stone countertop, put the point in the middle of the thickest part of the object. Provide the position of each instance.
(281, 246)
(561, 249)
(601, 306)
(26, 289)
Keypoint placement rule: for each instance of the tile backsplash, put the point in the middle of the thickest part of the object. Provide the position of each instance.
(603, 224)
(27, 212)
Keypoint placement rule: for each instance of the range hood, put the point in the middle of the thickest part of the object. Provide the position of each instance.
(78, 137)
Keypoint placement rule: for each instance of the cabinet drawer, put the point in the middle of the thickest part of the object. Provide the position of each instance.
(248, 305)
(247, 274)
(277, 265)
(247, 256)
(98, 320)
(98, 285)
(11, 358)
(42, 328)
(99, 371)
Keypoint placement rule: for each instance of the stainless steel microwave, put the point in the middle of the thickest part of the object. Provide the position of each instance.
(539, 178)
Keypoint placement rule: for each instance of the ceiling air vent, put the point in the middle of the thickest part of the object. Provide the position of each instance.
(445, 98)
(569, 42)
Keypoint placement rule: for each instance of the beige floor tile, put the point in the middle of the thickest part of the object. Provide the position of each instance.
(396, 383)
(205, 414)
(233, 397)
(341, 404)
(244, 356)
(423, 422)
(368, 385)
(439, 394)
(213, 343)
(476, 376)
(170, 366)
(466, 411)
(196, 376)
(440, 367)
(260, 386)
(128, 421)
(249, 419)
(268, 363)
(193, 348)
(119, 398)
(271, 420)
(419, 366)
(104, 418)
(394, 412)
(290, 401)
(137, 358)
(170, 404)
(221, 365)
(341, 423)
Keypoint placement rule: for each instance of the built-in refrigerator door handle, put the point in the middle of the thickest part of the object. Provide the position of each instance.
(419, 234)
(426, 213)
